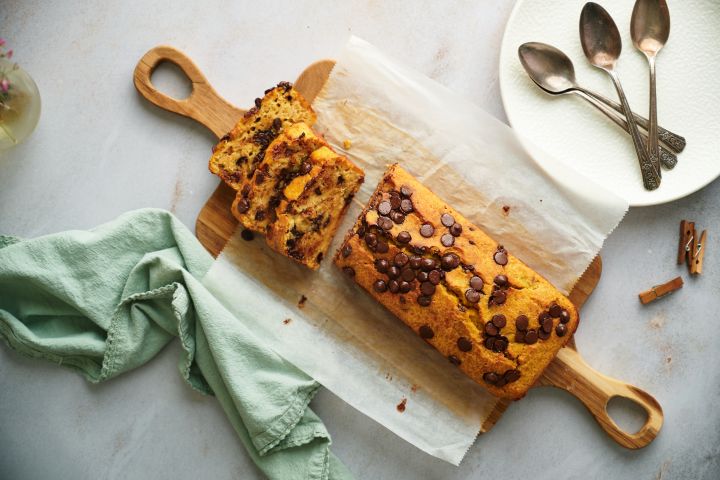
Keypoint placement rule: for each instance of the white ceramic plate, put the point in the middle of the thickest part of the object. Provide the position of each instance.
(688, 84)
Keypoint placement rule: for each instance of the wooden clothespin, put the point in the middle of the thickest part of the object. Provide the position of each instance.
(691, 249)
(698, 252)
(660, 290)
(687, 235)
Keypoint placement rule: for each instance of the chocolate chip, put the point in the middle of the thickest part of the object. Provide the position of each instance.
(393, 286)
(447, 219)
(380, 286)
(426, 332)
(259, 177)
(542, 334)
(405, 287)
(501, 280)
(349, 271)
(561, 330)
(547, 325)
(397, 217)
(434, 277)
(456, 230)
(247, 235)
(500, 257)
(447, 240)
(277, 123)
(500, 345)
(464, 344)
(491, 377)
(382, 247)
(472, 296)
(385, 223)
(564, 316)
(243, 205)
(361, 231)
(407, 274)
(384, 207)
(395, 200)
(401, 259)
(477, 283)
(427, 288)
(382, 265)
(449, 261)
(406, 191)
(305, 168)
(520, 336)
(501, 382)
(499, 297)
(415, 262)
(454, 360)
(427, 230)
(371, 239)
(543, 316)
(521, 322)
(406, 205)
(404, 237)
(489, 343)
(423, 300)
(531, 337)
(422, 277)
(346, 250)
(499, 320)
(427, 264)
(555, 310)
(258, 102)
(491, 329)
(393, 272)
(511, 376)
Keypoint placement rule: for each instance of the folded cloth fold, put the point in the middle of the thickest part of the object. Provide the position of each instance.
(106, 301)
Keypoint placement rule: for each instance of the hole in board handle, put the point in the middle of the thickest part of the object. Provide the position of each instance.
(628, 415)
(169, 79)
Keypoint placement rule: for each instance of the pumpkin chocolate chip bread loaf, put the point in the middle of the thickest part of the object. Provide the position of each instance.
(487, 312)
(238, 153)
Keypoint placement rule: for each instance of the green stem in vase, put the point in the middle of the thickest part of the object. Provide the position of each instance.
(7, 132)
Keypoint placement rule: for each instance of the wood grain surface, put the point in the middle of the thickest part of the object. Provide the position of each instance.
(215, 225)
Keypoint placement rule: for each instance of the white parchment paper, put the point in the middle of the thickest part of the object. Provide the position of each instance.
(556, 222)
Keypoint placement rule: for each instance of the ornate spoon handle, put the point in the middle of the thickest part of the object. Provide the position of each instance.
(675, 142)
(667, 158)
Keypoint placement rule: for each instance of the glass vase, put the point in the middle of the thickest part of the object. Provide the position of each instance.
(19, 106)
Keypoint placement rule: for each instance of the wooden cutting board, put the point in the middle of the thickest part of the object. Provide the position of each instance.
(215, 225)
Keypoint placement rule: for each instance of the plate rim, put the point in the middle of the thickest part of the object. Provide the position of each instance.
(527, 145)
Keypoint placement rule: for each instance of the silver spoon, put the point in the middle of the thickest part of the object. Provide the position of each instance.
(553, 71)
(601, 43)
(650, 29)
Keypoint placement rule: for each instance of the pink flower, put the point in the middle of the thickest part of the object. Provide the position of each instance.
(2, 42)
(4, 85)
(9, 53)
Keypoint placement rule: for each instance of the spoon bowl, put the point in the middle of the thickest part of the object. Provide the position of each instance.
(599, 36)
(548, 67)
(650, 25)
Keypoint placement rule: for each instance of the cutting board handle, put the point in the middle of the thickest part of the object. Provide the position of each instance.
(570, 372)
(203, 105)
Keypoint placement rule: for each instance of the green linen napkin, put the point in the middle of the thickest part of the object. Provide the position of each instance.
(106, 301)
